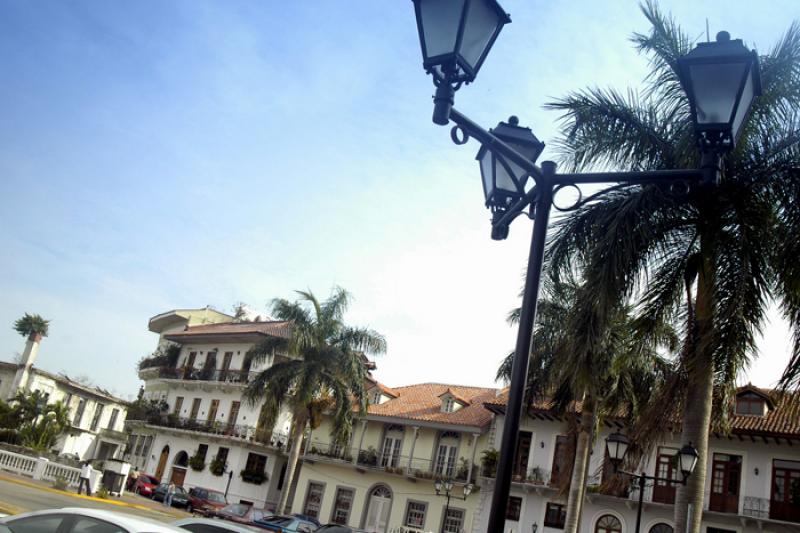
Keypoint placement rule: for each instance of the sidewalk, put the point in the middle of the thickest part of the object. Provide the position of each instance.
(127, 500)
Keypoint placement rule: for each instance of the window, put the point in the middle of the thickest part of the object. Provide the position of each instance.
(513, 509)
(202, 450)
(750, 404)
(178, 405)
(98, 412)
(448, 404)
(608, 524)
(222, 454)
(446, 455)
(555, 515)
(392, 443)
(212, 411)
(79, 413)
(84, 524)
(195, 408)
(36, 524)
(785, 484)
(342, 505)
(148, 442)
(256, 462)
(415, 514)
(113, 420)
(453, 521)
(313, 499)
(234, 413)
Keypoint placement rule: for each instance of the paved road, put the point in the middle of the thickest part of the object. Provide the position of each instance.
(24, 496)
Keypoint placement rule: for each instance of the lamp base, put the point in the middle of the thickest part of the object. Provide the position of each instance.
(443, 102)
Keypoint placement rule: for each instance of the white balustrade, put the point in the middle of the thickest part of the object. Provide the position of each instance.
(38, 468)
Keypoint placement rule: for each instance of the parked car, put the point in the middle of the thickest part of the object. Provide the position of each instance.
(146, 484)
(180, 498)
(74, 519)
(241, 513)
(208, 525)
(286, 524)
(205, 501)
(307, 518)
(338, 528)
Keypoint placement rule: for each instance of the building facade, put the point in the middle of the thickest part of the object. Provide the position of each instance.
(97, 416)
(207, 435)
(384, 478)
(752, 483)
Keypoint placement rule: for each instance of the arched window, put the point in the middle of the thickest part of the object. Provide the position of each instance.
(608, 524)
(379, 503)
(662, 528)
(181, 460)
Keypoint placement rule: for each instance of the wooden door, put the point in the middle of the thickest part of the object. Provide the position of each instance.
(188, 370)
(195, 409)
(521, 461)
(178, 475)
(725, 475)
(785, 476)
(212, 411)
(664, 491)
(226, 365)
(162, 462)
(233, 416)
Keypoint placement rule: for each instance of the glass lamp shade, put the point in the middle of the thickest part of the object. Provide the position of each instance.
(617, 446)
(437, 485)
(448, 486)
(467, 489)
(721, 80)
(504, 180)
(456, 35)
(687, 459)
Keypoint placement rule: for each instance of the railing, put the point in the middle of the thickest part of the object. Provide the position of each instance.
(54, 471)
(771, 509)
(38, 468)
(234, 377)
(534, 476)
(249, 433)
(114, 434)
(17, 463)
(406, 529)
(755, 507)
(372, 459)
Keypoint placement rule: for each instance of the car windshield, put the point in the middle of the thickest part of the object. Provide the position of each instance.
(180, 490)
(238, 509)
(148, 479)
(215, 497)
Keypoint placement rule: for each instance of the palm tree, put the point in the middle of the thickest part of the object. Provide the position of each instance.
(713, 257)
(609, 378)
(32, 326)
(325, 366)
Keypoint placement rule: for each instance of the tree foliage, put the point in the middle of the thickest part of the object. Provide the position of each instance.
(32, 324)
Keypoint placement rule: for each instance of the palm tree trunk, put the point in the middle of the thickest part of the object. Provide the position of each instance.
(298, 428)
(577, 487)
(699, 397)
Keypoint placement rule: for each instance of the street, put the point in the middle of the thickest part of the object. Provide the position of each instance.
(18, 495)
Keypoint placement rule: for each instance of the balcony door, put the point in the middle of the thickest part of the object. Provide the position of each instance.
(521, 460)
(725, 476)
(785, 480)
(664, 491)
(447, 455)
(195, 409)
(212, 411)
(392, 444)
(380, 503)
(561, 461)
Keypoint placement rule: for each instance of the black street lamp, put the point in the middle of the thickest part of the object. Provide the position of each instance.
(617, 446)
(720, 78)
(446, 486)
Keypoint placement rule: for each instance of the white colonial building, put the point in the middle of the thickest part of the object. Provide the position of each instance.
(97, 416)
(209, 436)
(752, 482)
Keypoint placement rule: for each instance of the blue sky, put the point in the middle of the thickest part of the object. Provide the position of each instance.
(156, 155)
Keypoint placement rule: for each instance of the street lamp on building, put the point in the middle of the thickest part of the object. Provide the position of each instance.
(617, 446)
(721, 81)
(445, 489)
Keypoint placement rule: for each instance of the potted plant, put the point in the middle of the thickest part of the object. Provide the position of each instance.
(256, 477)
(489, 462)
(197, 462)
(217, 466)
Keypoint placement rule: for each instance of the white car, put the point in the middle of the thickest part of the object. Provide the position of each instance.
(77, 520)
(210, 525)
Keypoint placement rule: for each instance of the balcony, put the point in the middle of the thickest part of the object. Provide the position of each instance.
(764, 508)
(245, 434)
(112, 434)
(401, 465)
(230, 377)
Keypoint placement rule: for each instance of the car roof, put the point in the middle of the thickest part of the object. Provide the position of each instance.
(224, 524)
(127, 521)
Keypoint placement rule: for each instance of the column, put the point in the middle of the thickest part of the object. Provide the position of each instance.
(360, 440)
(472, 460)
(413, 444)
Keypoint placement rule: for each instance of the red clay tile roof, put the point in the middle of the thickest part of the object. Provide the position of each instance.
(386, 390)
(459, 399)
(272, 328)
(783, 420)
(421, 402)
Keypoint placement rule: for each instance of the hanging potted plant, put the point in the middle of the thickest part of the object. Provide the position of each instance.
(217, 466)
(197, 462)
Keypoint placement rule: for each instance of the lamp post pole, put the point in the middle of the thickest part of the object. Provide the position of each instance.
(447, 487)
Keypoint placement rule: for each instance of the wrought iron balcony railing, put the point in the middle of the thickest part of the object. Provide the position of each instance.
(235, 377)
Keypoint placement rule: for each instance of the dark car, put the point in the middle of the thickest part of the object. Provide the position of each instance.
(145, 484)
(242, 513)
(180, 498)
(205, 501)
(286, 524)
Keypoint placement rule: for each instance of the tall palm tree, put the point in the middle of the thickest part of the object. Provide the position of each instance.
(713, 257)
(32, 326)
(609, 378)
(325, 365)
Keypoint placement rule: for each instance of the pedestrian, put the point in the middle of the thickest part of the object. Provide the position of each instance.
(169, 494)
(85, 478)
(133, 477)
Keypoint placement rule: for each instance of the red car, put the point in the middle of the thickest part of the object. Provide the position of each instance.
(241, 513)
(205, 501)
(145, 485)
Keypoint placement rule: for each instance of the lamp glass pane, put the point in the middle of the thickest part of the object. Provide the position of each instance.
(487, 173)
(687, 462)
(715, 87)
(748, 93)
(482, 21)
(440, 22)
(503, 179)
